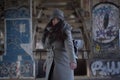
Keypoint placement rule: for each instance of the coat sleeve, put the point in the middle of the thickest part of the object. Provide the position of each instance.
(69, 46)
(45, 41)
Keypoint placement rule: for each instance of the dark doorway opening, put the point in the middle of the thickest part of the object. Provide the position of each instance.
(39, 69)
(81, 69)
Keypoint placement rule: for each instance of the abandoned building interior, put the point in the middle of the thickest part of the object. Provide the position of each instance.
(95, 27)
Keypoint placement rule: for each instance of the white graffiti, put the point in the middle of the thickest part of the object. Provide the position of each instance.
(103, 68)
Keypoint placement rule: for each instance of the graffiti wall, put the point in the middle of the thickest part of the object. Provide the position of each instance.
(17, 60)
(105, 68)
(16, 69)
(105, 27)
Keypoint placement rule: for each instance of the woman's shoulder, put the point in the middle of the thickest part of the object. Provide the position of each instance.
(67, 26)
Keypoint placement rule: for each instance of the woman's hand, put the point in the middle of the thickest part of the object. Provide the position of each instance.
(73, 65)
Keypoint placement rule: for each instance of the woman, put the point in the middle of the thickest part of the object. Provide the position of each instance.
(60, 62)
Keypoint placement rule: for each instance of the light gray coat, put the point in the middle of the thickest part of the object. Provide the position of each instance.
(62, 54)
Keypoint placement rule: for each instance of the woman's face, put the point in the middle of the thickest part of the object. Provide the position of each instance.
(55, 21)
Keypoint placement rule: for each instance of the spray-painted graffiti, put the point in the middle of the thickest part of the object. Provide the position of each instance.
(11, 69)
(18, 38)
(26, 69)
(107, 33)
(105, 68)
(105, 22)
(8, 69)
(106, 48)
(17, 9)
(105, 27)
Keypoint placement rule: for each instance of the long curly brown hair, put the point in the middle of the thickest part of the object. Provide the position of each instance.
(56, 32)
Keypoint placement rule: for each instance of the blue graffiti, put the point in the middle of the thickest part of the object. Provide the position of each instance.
(102, 10)
(109, 32)
(9, 69)
(20, 12)
(27, 69)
